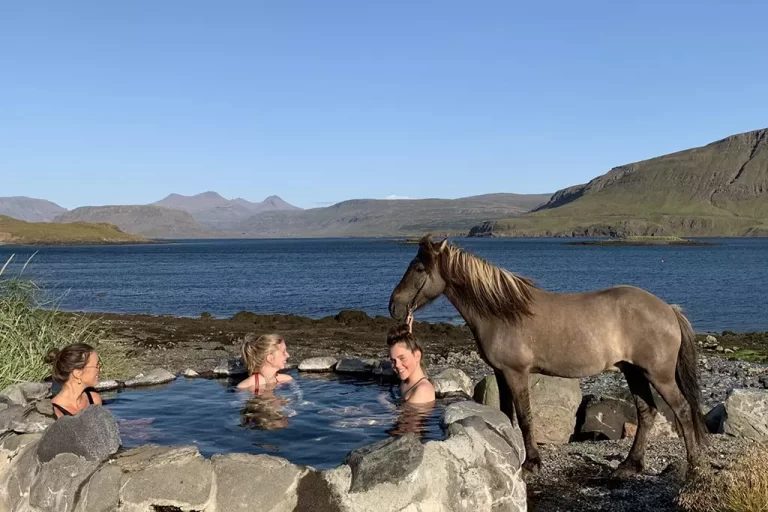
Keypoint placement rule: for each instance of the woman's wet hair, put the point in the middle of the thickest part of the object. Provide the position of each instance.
(402, 334)
(255, 350)
(67, 359)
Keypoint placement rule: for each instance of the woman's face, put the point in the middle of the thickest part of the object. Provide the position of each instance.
(89, 375)
(279, 357)
(404, 361)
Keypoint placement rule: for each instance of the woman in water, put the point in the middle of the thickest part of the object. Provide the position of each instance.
(76, 367)
(406, 354)
(264, 356)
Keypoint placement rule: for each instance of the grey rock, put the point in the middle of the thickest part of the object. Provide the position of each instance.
(13, 442)
(554, 403)
(384, 369)
(33, 422)
(45, 407)
(56, 485)
(108, 385)
(190, 373)
(317, 364)
(230, 368)
(154, 474)
(494, 418)
(604, 418)
(355, 366)
(23, 393)
(10, 417)
(271, 482)
(710, 342)
(18, 477)
(451, 381)
(92, 433)
(389, 460)
(746, 414)
(102, 491)
(154, 377)
(714, 419)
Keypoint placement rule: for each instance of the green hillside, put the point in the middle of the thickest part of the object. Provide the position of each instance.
(720, 189)
(14, 231)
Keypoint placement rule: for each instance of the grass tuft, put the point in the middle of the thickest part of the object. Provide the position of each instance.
(743, 487)
(30, 325)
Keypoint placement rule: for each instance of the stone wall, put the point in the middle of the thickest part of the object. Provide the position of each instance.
(76, 465)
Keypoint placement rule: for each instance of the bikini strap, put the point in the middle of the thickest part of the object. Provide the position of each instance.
(61, 409)
(414, 386)
(90, 397)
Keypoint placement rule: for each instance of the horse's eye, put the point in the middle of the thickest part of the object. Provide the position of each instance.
(420, 268)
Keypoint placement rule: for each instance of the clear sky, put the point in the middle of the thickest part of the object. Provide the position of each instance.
(318, 101)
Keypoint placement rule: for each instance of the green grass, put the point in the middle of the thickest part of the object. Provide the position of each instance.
(30, 325)
(14, 231)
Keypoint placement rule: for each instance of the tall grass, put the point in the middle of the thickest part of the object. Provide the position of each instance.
(30, 325)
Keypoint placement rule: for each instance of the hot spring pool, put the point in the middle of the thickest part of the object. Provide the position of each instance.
(316, 420)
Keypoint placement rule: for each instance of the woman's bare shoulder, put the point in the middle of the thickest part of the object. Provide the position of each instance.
(96, 398)
(250, 382)
(424, 392)
(282, 377)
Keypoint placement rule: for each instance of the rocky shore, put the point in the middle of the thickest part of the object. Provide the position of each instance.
(574, 475)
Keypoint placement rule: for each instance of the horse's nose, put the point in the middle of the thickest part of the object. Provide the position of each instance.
(396, 310)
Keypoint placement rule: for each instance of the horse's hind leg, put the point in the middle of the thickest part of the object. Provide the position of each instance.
(514, 399)
(670, 392)
(646, 414)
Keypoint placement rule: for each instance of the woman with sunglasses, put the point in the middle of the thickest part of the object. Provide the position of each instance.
(76, 367)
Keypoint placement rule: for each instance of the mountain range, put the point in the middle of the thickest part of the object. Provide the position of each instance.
(720, 189)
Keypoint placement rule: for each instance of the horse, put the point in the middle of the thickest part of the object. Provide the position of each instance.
(521, 329)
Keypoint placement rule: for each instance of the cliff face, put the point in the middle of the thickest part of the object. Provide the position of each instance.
(720, 189)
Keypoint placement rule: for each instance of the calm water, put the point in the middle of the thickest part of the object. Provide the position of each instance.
(721, 287)
(316, 420)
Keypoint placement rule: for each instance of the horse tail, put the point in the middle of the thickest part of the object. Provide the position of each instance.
(686, 374)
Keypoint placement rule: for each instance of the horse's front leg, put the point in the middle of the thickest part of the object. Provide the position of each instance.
(514, 399)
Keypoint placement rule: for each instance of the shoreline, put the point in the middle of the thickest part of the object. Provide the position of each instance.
(177, 343)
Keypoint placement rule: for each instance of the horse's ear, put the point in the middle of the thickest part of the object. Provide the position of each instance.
(443, 245)
(426, 241)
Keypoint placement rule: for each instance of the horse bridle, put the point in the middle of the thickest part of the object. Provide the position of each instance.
(411, 307)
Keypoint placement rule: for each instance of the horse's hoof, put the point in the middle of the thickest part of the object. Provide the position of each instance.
(627, 469)
(532, 465)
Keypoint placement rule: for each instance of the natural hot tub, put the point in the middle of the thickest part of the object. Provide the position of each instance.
(316, 420)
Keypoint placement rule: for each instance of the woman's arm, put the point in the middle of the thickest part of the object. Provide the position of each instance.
(96, 398)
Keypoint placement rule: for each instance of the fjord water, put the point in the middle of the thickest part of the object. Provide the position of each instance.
(720, 287)
(315, 420)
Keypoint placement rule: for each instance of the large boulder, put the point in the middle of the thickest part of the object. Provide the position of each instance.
(155, 477)
(18, 476)
(56, 485)
(101, 493)
(554, 403)
(92, 434)
(23, 420)
(23, 393)
(243, 480)
(476, 469)
(451, 381)
(389, 460)
(231, 368)
(603, 418)
(746, 414)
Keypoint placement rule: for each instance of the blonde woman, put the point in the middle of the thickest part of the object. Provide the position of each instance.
(264, 356)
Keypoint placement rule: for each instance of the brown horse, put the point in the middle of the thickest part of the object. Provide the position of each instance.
(521, 329)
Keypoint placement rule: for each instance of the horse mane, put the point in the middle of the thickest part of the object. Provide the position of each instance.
(484, 287)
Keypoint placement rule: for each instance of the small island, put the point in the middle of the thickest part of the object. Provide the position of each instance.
(643, 241)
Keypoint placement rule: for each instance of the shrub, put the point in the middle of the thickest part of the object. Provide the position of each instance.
(31, 325)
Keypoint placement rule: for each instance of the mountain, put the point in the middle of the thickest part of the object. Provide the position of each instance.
(381, 217)
(145, 220)
(29, 209)
(720, 189)
(15, 231)
(214, 211)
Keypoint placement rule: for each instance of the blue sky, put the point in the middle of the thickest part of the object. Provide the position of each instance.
(321, 101)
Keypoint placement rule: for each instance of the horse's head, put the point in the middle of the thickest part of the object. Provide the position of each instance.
(421, 283)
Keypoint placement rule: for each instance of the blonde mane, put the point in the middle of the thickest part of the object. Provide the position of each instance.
(486, 288)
